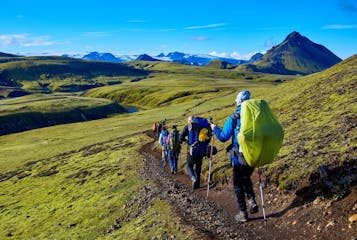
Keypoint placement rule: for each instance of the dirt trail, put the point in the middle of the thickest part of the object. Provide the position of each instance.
(291, 216)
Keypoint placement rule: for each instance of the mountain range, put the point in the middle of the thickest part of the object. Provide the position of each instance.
(184, 58)
(295, 55)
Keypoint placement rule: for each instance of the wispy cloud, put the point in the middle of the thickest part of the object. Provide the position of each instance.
(348, 6)
(340, 26)
(96, 34)
(25, 40)
(136, 21)
(200, 38)
(215, 25)
(269, 43)
(273, 28)
(234, 54)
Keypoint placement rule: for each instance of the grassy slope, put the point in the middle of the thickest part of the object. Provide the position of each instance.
(81, 188)
(119, 152)
(172, 83)
(38, 110)
(29, 156)
(318, 113)
(62, 73)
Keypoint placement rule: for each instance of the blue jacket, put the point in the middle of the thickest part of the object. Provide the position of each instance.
(229, 131)
(162, 137)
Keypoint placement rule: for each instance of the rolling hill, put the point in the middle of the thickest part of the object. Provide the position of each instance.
(296, 55)
(85, 180)
(15, 70)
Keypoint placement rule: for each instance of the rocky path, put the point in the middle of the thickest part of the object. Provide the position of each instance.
(209, 220)
(291, 216)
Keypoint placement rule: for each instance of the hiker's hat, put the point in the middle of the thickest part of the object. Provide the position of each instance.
(242, 96)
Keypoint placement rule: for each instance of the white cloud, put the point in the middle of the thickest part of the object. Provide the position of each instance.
(217, 54)
(25, 40)
(206, 26)
(234, 54)
(340, 26)
(269, 43)
(200, 38)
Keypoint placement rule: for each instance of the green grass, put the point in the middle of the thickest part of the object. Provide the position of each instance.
(97, 162)
(80, 194)
(60, 72)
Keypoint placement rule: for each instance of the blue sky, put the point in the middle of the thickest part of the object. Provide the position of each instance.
(230, 28)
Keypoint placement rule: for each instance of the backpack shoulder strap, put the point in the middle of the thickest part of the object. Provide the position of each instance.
(235, 116)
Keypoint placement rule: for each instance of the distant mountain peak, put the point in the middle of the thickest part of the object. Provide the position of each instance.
(161, 55)
(294, 35)
(145, 57)
(296, 55)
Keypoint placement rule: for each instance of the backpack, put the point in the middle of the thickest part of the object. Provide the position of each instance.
(163, 137)
(167, 139)
(199, 136)
(261, 134)
(175, 144)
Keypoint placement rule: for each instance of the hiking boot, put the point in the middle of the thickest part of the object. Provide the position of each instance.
(242, 216)
(172, 171)
(193, 179)
(253, 207)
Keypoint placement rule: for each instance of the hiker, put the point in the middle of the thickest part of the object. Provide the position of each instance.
(165, 144)
(154, 130)
(195, 150)
(159, 128)
(175, 148)
(241, 170)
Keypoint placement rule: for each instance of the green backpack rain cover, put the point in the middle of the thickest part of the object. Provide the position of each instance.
(261, 134)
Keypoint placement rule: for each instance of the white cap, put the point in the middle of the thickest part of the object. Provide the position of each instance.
(242, 96)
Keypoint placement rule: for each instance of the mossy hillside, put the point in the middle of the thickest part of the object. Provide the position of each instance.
(178, 84)
(81, 194)
(318, 113)
(62, 73)
(39, 110)
(19, 149)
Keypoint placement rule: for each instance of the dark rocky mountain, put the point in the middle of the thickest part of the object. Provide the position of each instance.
(145, 57)
(255, 57)
(220, 64)
(7, 55)
(296, 55)
(161, 55)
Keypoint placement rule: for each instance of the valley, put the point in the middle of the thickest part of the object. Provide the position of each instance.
(74, 164)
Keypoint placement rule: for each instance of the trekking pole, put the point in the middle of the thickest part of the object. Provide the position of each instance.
(262, 195)
(210, 162)
(181, 158)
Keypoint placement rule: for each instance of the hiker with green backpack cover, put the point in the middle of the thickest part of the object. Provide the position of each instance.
(256, 139)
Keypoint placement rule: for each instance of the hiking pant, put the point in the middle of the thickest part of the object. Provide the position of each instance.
(165, 155)
(174, 160)
(242, 183)
(194, 164)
